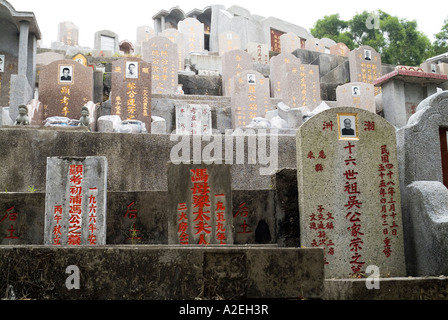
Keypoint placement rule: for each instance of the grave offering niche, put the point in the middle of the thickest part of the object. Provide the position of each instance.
(200, 204)
(357, 95)
(365, 65)
(162, 54)
(349, 192)
(64, 87)
(75, 201)
(193, 119)
(131, 90)
(249, 97)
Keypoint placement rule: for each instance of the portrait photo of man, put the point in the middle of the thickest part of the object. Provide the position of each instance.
(355, 91)
(132, 70)
(251, 78)
(368, 55)
(66, 74)
(347, 126)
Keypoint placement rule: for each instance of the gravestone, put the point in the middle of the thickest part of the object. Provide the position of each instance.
(340, 49)
(68, 33)
(80, 58)
(289, 42)
(106, 40)
(356, 94)
(229, 41)
(75, 201)
(233, 63)
(131, 90)
(349, 192)
(277, 72)
(193, 31)
(8, 67)
(64, 87)
(193, 119)
(300, 86)
(259, 52)
(144, 33)
(249, 97)
(178, 38)
(200, 204)
(365, 66)
(315, 45)
(164, 59)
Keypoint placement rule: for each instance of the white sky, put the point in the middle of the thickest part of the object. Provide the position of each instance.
(123, 17)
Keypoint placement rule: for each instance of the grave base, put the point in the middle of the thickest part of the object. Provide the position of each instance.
(147, 272)
(402, 288)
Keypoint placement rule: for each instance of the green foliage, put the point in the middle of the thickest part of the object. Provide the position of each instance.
(397, 40)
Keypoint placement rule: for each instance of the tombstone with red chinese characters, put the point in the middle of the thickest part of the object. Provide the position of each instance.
(200, 205)
(349, 192)
(131, 90)
(193, 119)
(75, 201)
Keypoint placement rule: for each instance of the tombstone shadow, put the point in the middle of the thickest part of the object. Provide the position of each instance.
(423, 156)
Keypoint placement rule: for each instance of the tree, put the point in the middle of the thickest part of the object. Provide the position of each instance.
(397, 40)
(440, 44)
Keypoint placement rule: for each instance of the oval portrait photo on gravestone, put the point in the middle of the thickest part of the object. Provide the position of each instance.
(66, 74)
(348, 126)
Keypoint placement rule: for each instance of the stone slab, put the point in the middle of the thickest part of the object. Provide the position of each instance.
(411, 75)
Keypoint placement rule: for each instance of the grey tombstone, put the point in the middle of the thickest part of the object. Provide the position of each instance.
(68, 33)
(259, 52)
(365, 66)
(64, 87)
(193, 119)
(289, 42)
(356, 94)
(314, 44)
(340, 49)
(177, 38)
(193, 31)
(277, 72)
(300, 86)
(200, 204)
(349, 192)
(233, 63)
(75, 201)
(106, 40)
(131, 90)
(423, 155)
(229, 41)
(162, 54)
(249, 97)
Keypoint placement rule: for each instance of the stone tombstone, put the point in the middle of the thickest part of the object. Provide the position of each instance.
(164, 59)
(340, 49)
(144, 33)
(233, 63)
(228, 41)
(356, 94)
(349, 192)
(178, 38)
(106, 40)
(193, 31)
(250, 97)
(68, 33)
(75, 201)
(64, 87)
(289, 42)
(200, 204)
(131, 90)
(301, 86)
(259, 52)
(82, 59)
(365, 65)
(315, 45)
(8, 67)
(277, 73)
(430, 67)
(193, 119)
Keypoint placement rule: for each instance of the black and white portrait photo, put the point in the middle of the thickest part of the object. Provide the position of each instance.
(131, 70)
(368, 55)
(2, 63)
(356, 91)
(347, 126)
(65, 74)
(251, 78)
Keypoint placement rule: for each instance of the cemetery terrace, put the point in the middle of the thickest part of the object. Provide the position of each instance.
(222, 156)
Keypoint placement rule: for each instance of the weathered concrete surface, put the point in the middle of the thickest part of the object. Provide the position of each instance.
(162, 272)
(424, 288)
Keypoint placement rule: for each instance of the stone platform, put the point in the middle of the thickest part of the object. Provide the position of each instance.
(162, 272)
